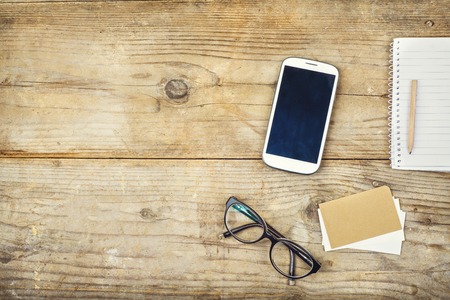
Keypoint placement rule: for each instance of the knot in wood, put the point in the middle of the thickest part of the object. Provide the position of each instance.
(176, 90)
(311, 210)
(146, 213)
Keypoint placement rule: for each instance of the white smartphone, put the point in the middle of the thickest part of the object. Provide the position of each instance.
(300, 115)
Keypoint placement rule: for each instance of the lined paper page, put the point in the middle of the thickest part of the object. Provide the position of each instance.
(426, 60)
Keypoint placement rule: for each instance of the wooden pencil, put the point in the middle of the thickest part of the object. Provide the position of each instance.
(412, 115)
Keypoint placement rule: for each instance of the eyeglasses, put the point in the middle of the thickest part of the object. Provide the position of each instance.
(287, 257)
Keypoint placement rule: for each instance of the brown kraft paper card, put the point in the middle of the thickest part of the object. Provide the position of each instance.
(361, 216)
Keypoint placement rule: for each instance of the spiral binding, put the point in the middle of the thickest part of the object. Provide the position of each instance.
(394, 104)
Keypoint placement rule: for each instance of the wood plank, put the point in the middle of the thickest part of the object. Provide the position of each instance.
(208, 126)
(148, 228)
(89, 79)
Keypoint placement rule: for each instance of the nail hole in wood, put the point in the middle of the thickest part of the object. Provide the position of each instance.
(429, 23)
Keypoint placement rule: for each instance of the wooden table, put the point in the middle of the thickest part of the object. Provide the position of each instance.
(126, 125)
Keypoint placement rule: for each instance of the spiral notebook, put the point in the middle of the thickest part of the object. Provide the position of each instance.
(427, 61)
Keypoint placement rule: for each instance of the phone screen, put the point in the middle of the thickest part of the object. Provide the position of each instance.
(300, 114)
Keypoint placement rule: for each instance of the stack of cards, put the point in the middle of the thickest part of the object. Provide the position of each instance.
(370, 220)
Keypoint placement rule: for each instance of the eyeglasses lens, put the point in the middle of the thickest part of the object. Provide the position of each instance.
(243, 223)
(281, 258)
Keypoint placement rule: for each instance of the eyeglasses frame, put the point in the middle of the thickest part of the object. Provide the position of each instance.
(274, 236)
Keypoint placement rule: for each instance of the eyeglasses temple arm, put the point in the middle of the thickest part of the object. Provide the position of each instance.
(271, 230)
(240, 228)
(246, 212)
(291, 266)
(274, 232)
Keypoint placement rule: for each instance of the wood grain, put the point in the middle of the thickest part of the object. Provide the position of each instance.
(125, 126)
(88, 79)
(90, 228)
